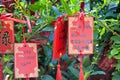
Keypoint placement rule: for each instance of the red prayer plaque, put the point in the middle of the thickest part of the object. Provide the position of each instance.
(60, 38)
(6, 37)
(26, 63)
(80, 38)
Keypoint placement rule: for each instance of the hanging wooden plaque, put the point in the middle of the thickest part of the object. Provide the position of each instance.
(26, 63)
(80, 35)
(6, 36)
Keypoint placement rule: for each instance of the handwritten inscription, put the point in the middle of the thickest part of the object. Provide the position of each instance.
(26, 59)
(80, 37)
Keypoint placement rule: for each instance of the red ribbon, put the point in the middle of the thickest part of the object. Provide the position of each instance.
(1, 69)
(27, 78)
(29, 25)
(59, 20)
(80, 20)
(59, 75)
(81, 74)
(82, 6)
(24, 39)
(8, 16)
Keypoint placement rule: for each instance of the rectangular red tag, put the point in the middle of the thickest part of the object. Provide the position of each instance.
(80, 38)
(26, 63)
(60, 38)
(6, 36)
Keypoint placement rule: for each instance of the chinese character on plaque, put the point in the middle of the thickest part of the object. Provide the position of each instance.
(6, 36)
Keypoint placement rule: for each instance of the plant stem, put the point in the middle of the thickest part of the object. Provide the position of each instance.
(105, 25)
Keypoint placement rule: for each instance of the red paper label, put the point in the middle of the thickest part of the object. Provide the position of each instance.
(26, 63)
(7, 37)
(60, 37)
(80, 37)
(1, 73)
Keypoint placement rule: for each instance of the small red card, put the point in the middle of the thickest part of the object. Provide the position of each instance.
(6, 37)
(60, 39)
(26, 63)
(80, 37)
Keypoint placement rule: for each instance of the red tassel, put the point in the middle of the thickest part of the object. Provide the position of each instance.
(81, 74)
(59, 75)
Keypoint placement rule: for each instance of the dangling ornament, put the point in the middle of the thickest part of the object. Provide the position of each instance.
(60, 38)
(80, 34)
(26, 63)
(59, 45)
(6, 35)
(80, 37)
(7, 32)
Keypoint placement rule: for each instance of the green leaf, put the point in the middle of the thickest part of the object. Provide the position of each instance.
(86, 61)
(63, 78)
(48, 54)
(47, 77)
(115, 39)
(102, 32)
(74, 71)
(34, 7)
(96, 33)
(105, 2)
(42, 70)
(97, 72)
(114, 51)
(66, 7)
(7, 70)
(47, 51)
(118, 66)
(116, 75)
(117, 56)
(8, 58)
(87, 74)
